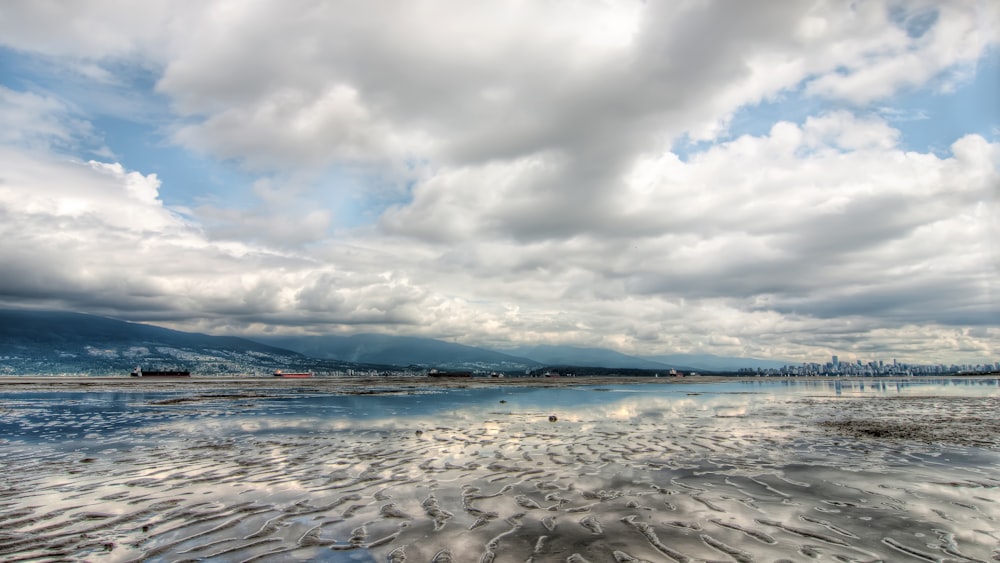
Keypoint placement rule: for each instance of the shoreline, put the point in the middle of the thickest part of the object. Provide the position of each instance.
(377, 385)
(855, 420)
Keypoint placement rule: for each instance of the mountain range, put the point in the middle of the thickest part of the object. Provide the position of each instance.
(400, 351)
(65, 342)
(58, 342)
(593, 357)
(427, 352)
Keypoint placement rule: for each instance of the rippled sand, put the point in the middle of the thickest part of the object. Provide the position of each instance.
(639, 477)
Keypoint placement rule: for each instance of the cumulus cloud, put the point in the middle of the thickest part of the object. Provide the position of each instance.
(96, 237)
(493, 81)
(526, 152)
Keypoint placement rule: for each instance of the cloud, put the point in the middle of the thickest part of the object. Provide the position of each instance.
(550, 116)
(93, 236)
(39, 120)
(96, 29)
(957, 36)
(512, 163)
(464, 84)
(96, 237)
(825, 221)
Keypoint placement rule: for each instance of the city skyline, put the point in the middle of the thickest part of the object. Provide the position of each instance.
(788, 181)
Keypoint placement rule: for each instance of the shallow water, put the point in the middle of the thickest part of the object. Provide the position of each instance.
(742, 471)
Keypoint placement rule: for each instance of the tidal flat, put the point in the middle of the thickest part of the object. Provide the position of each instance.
(481, 470)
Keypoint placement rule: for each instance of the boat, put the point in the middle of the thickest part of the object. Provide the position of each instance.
(137, 372)
(292, 375)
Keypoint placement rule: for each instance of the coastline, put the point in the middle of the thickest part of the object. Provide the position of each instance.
(877, 418)
(349, 384)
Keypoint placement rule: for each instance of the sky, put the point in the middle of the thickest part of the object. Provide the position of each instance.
(772, 179)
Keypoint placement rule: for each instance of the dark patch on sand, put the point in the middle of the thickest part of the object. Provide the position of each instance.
(964, 432)
(931, 420)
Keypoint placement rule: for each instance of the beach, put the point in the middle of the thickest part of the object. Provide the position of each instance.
(497, 469)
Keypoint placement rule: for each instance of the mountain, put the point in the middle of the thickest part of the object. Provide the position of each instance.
(400, 351)
(709, 362)
(597, 357)
(54, 342)
(591, 357)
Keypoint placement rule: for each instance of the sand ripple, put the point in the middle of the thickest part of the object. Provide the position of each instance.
(500, 486)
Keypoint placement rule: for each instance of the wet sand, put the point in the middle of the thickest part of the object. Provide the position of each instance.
(638, 477)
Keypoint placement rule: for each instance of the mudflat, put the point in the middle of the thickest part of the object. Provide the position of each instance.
(567, 469)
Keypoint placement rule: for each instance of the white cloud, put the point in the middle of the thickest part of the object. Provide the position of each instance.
(41, 120)
(960, 33)
(472, 82)
(823, 221)
(306, 128)
(744, 266)
(96, 237)
(94, 29)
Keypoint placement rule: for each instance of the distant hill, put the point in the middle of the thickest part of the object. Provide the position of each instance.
(55, 342)
(709, 362)
(597, 357)
(593, 357)
(400, 351)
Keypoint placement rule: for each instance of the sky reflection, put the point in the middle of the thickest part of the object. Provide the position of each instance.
(235, 475)
(59, 417)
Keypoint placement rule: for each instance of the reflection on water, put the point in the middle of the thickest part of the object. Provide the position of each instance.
(736, 471)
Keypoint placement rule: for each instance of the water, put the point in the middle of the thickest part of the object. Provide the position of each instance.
(798, 470)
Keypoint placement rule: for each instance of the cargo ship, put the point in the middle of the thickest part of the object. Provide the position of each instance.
(436, 373)
(137, 372)
(292, 375)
